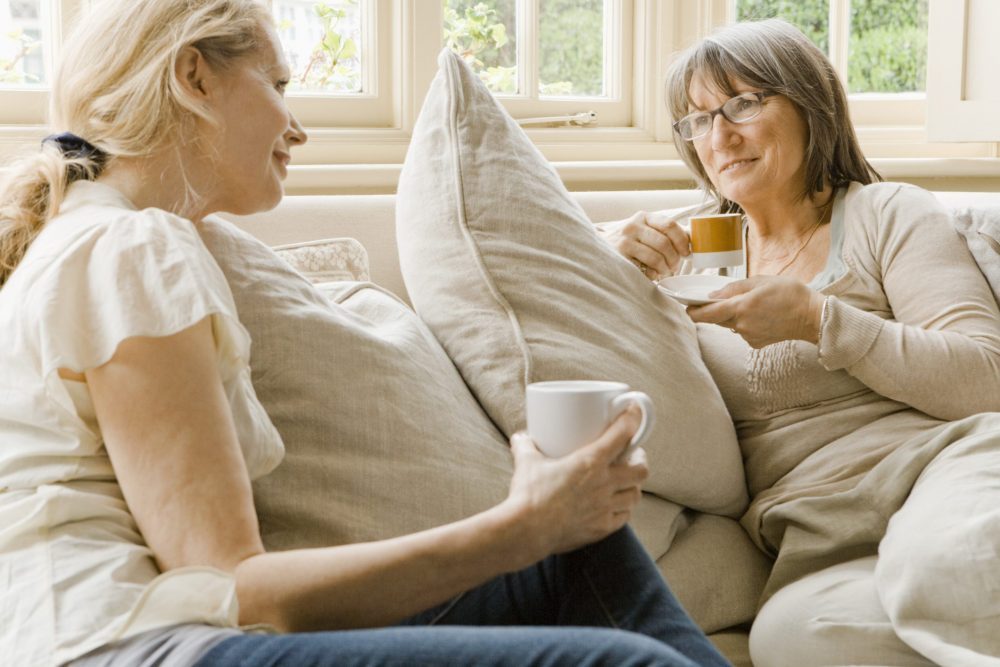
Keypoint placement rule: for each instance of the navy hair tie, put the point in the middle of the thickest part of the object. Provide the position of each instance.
(78, 148)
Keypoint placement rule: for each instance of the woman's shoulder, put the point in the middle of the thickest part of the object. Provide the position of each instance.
(96, 210)
(99, 243)
(887, 199)
(96, 224)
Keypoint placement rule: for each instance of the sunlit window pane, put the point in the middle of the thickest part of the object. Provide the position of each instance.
(571, 47)
(484, 33)
(24, 39)
(812, 17)
(888, 46)
(323, 43)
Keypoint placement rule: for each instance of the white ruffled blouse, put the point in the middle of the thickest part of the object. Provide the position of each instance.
(75, 573)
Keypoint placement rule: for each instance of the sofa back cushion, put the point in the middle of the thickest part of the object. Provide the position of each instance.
(382, 436)
(507, 271)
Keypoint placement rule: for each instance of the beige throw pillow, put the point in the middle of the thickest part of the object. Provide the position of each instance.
(382, 437)
(507, 271)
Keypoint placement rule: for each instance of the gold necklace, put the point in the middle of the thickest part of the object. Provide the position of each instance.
(801, 248)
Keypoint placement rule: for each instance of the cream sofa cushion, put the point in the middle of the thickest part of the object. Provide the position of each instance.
(507, 271)
(382, 437)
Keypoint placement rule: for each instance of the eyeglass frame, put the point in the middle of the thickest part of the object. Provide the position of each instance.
(760, 95)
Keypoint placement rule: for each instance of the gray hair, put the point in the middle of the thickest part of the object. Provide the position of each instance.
(775, 57)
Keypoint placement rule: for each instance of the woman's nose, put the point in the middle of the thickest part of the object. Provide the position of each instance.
(296, 134)
(724, 132)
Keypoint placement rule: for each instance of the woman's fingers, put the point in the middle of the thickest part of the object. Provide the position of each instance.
(654, 241)
(610, 444)
(521, 446)
(625, 500)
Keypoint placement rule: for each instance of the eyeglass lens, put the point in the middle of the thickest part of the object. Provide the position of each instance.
(737, 109)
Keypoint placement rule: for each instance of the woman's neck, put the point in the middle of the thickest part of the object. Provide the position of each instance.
(157, 182)
(790, 239)
(783, 222)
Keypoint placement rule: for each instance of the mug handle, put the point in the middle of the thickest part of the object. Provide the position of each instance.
(645, 403)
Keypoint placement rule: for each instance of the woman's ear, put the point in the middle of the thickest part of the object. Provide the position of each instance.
(194, 74)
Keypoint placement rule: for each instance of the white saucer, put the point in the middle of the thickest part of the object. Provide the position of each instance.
(693, 290)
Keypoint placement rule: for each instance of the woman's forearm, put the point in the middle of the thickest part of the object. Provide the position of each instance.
(947, 374)
(378, 583)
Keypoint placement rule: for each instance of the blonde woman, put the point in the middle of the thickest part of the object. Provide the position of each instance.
(859, 356)
(127, 527)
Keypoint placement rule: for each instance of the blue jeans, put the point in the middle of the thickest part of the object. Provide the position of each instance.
(604, 604)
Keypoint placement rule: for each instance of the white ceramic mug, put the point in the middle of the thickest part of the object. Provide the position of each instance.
(563, 415)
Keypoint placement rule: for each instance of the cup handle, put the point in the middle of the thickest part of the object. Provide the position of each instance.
(645, 403)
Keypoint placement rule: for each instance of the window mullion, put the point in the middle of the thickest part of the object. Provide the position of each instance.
(527, 48)
(612, 49)
(840, 35)
(371, 63)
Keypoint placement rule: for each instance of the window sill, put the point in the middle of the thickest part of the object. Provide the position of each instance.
(973, 174)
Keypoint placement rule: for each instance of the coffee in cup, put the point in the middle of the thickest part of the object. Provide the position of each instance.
(564, 415)
(716, 240)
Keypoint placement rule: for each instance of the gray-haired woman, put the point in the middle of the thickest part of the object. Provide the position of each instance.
(859, 356)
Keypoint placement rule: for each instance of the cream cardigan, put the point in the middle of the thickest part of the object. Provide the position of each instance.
(834, 436)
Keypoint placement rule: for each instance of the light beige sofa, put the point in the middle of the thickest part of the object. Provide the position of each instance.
(710, 563)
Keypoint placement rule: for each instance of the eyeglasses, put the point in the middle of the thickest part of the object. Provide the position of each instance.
(737, 109)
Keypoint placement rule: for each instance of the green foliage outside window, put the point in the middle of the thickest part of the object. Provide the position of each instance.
(887, 51)
(477, 33)
(812, 17)
(571, 49)
(571, 58)
(888, 46)
(333, 63)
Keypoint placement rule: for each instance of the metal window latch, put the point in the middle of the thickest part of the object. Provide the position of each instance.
(582, 118)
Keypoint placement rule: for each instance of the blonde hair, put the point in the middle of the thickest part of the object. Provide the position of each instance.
(117, 88)
(775, 57)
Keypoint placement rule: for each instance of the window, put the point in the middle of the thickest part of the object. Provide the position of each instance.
(342, 54)
(24, 43)
(880, 46)
(323, 41)
(548, 58)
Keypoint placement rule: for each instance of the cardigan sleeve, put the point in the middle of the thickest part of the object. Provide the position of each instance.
(937, 348)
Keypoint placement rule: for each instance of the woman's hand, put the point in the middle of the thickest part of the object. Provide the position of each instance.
(568, 502)
(765, 310)
(650, 240)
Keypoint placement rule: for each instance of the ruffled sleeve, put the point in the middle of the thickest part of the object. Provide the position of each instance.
(143, 273)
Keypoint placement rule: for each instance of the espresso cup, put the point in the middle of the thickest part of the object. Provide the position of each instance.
(716, 240)
(565, 415)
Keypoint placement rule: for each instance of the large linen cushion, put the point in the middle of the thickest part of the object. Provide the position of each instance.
(382, 436)
(507, 271)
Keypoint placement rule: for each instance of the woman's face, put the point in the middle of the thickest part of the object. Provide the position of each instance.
(760, 160)
(256, 133)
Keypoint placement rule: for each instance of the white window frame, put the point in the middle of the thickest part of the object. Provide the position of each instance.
(963, 76)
